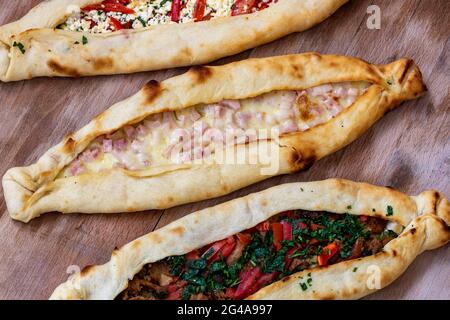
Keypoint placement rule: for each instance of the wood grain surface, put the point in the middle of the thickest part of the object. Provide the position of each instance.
(408, 149)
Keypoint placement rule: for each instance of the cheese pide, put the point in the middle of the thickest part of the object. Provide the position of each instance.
(169, 143)
(72, 38)
(331, 239)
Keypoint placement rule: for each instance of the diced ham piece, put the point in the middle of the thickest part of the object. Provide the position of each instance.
(152, 124)
(339, 92)
(130, 132)
(232, 104)
(141, 130)
(136, 146)
(320, 90)
(107, 145)
(243, 118)
(119, 145)
(194, 115)
(90, 155)
(168, 120)
(76, 168)
(288, 127)
(213, 135)
(259, 116)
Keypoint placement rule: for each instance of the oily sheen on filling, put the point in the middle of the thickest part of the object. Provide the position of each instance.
(114, 15)
(236, 267)
(197, 132)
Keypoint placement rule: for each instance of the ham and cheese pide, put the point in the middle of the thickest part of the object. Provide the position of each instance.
(332, 239)
(169, 144)
(72, 38)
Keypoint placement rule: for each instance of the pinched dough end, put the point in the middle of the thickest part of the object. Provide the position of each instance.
(4, 59)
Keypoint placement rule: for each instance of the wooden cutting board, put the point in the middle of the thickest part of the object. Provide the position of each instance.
(408, 149)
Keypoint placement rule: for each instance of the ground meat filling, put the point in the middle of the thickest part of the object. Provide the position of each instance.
(236, 267)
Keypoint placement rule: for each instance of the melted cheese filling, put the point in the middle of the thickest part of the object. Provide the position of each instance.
(196, 133)
(153, 12)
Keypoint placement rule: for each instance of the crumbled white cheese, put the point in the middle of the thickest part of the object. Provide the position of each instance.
(147, 13)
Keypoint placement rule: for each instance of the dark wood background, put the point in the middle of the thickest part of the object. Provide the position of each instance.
(408, 149)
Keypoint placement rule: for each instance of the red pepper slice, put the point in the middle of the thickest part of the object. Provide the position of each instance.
(228, 248)
(199, 10)
(277, 229)
(176, 10)
(244, 238)
(263, 226)
(327, 252)
(115, 23)
(314, 226)
(287, 230)
(248, 279)
(313, 241)
(242, 7)
(193, 255)
(213, 250)
(107, 6)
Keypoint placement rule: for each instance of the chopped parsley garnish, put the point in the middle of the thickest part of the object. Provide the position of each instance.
(355, 269)
(305, 284)
(349, 207)
(302, 189)
(390, 211)
(84, 40)
(144, 23)
(20, 46)
(76, 42)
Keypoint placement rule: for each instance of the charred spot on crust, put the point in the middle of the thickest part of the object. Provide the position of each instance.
(151, 91)
(177, 230)
(86, 270)
(413, 230)
(201, 73)
(69, 145)
(407, 66)
(136, 244)
(55, 66)
(394, 253)
(102, 63)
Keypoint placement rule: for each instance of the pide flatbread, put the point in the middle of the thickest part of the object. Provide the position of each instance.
(161, 147)
(72, 38)
(331, 239)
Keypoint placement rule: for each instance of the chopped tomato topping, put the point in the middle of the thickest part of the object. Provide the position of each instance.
(314, 226)
(287, 230)
(193, 255)
(263, 226)
(313, 241)
(301, 225)
(244, 238)
(277, 229)
(327, 253)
